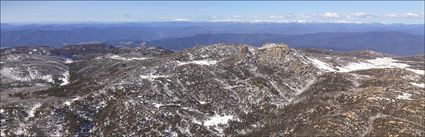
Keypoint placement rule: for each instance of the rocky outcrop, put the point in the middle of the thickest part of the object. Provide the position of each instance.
(275, 51)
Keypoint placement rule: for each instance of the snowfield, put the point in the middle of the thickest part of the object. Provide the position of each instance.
(385, 62)
(321, 65)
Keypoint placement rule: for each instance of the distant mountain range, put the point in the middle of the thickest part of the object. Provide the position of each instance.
(396, 43)
(399, 39)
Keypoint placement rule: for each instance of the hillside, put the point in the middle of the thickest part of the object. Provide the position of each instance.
(215, 90)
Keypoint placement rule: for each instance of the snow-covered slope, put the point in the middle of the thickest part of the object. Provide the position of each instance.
(384, 62)
(216, 90)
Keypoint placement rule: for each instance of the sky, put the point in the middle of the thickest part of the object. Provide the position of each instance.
(410, 12)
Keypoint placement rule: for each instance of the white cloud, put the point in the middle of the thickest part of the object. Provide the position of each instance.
(354, 17)
(273, 16)
(391, 15)
(404, 15)
(409, 14)
(182, 20)
(359, 14)
(330, 15)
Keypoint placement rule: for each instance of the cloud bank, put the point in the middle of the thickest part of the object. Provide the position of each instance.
(355, 17)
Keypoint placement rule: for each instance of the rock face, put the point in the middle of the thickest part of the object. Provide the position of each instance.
(277, 51)
(216, 90)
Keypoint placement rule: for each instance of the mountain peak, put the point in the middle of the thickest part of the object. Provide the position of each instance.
(274, 46)
(275, 50)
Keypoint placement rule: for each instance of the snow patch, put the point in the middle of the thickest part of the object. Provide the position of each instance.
(199, 62)
(216, 120)
(67, 103)
(384, 62)
(420, 72)
(421, 85)
(405, 96)
(68, 61)
(32, 75)
(383, 98)
(202, 102)
(117, 57)
(31, 112)
(123, 58)
(134, 58)
(271, 45)
(65, 78)
(151, 77)
(20, 130)
(322, 65)
(157, 105)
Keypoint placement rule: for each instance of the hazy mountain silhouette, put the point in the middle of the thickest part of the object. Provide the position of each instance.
(397, 43)
(56, 35)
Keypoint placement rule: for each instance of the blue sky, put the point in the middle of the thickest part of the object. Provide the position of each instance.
(245, 11)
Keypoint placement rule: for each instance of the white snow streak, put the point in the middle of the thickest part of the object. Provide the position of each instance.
(157, 105)
(421, 85)
(68, 61)
(150, 77)
(202, 102)
(199, 62)
(420, 72)
(67, 103)
(322, 65)
(123, 58)
(134, 58)
(216, 120)
(32, 110)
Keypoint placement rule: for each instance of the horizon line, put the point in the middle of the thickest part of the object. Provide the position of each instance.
(216, 21)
